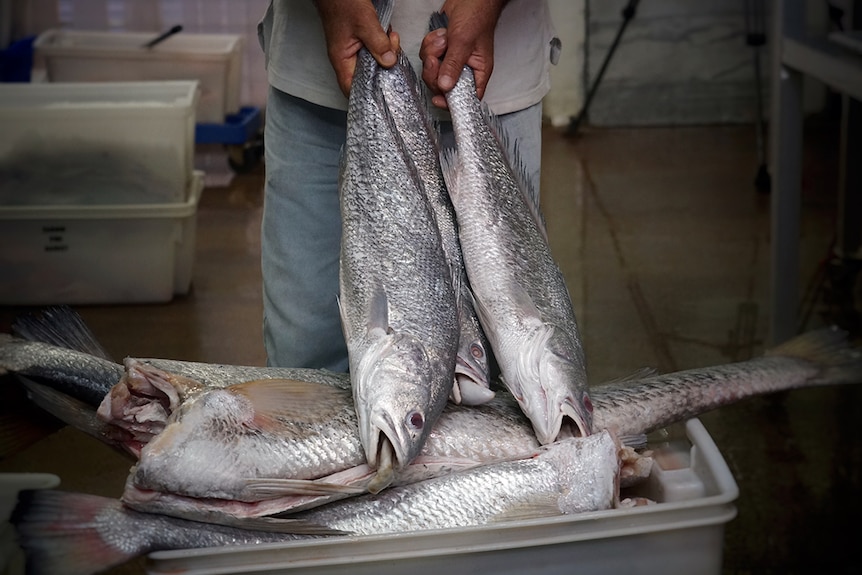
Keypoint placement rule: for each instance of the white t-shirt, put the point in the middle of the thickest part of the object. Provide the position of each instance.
(297, 61)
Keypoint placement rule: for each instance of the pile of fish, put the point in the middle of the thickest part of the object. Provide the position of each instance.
(437, 255)
(444, 266)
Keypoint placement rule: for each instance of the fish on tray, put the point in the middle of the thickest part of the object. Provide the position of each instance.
(270, 420)
(75, 534)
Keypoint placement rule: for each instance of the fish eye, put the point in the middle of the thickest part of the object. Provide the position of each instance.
(415, 419)
(477, 351)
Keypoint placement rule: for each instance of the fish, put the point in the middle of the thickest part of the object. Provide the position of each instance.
(406, 100)
(66, 533)
(520, 293)
(272, 446)
(308, 435)
(639, 403)
(397, 303)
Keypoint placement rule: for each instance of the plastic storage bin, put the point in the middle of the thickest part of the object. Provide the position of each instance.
(214, 60)
(96, 143)
(682, 533)
(98, 254)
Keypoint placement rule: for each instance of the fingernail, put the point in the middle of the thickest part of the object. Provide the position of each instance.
(445, 82)
(388, 58)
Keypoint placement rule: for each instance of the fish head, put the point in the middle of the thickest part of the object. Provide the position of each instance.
(394, 401)
(551, 388)
(565, 393)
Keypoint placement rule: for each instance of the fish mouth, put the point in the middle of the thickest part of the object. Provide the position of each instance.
(469, 388)
(383, 453)
(575, 420)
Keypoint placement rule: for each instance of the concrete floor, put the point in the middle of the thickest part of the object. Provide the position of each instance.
(665, 246)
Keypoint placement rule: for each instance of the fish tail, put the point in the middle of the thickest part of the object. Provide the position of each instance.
(384, 11)
(60, 326)
(59, 533)
(829, 347)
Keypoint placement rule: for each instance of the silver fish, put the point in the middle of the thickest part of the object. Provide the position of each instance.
(271, 446)
(521, 295)
(406, 100)
(74, 534)
(297, 444)
(397, 304)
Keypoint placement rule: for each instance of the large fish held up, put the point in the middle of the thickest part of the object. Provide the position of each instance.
(521, 295)
(397, 302)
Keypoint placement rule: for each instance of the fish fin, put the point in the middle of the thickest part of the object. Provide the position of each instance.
(277, 400)
(511, 152)
(633, 377)
(271, 488)
(635, 441)
(542, 507)
(384, 12)
(345, 329)
(830, 349)
(69, 410)
(449, 166)
(59, 532)
(378, 312)
(438, 20)
(60, 326)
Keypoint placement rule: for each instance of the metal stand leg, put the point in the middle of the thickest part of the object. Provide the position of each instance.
(628, 15)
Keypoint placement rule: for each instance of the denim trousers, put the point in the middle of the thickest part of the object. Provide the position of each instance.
(301, 225)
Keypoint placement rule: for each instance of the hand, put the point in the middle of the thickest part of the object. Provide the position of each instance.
(349, 25)
(469, 40)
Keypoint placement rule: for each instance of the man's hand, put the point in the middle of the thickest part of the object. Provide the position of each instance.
(469, 40)
(349, 25)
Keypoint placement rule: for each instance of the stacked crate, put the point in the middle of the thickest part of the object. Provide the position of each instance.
(98, 192)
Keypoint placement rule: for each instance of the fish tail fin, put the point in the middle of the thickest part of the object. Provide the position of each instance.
(828, 347)
(384, 11)
(438, 20)
(60, 326)
(59, 533)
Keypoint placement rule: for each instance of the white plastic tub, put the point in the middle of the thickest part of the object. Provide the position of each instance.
(214, 60)
(683, 533)
(98, 254)
(96, 143)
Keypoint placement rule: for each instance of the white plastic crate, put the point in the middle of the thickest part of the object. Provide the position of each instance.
(76, 143)
(214, 60)
(682, 533)
(98, 254)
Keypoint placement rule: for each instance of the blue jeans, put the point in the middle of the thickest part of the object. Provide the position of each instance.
(301, 226)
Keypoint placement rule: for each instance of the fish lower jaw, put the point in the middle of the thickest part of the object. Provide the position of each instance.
(385, 464)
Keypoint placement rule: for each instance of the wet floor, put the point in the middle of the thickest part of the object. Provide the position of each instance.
(664, 243)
